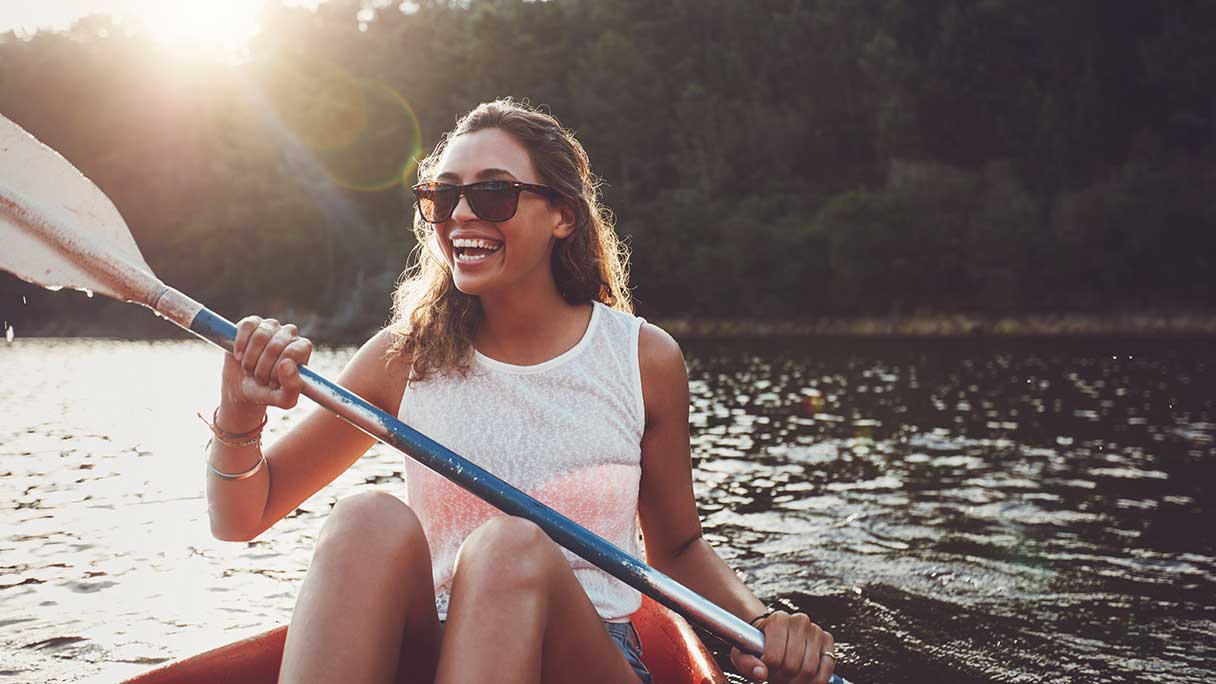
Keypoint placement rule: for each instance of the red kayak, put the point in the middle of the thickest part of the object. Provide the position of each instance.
(670, 650)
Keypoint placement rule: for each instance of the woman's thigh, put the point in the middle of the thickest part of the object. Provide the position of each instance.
(518, 610)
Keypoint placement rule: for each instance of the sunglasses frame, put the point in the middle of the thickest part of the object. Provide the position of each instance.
(461, 191)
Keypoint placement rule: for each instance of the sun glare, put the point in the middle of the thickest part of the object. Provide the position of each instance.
(220, 27)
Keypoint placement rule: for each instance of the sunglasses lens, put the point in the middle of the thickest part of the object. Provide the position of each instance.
(436, 202)
(493, 201)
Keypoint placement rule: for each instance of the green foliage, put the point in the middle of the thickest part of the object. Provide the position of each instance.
(775, 158)
(935, 238)
(1146, 234)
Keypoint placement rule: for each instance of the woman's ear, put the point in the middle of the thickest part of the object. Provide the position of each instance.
(567, 221)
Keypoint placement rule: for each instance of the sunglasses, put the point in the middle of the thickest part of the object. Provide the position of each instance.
(494, 200)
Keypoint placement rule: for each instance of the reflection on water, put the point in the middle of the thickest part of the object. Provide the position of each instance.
(955, 511)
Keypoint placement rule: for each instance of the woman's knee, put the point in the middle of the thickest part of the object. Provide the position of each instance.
(507, 549)
(372, 524)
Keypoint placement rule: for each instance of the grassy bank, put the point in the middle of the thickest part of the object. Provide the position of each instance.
(946, 325)
(131, 322)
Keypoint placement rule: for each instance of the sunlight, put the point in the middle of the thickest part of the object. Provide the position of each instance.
(222, 26)
(204, 28)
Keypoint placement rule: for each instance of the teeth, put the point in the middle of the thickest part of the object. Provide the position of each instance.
(464, 243)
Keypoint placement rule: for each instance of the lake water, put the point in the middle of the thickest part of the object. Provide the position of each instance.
(964, 510)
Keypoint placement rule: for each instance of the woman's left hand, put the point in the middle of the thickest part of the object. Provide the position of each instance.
(796, 651)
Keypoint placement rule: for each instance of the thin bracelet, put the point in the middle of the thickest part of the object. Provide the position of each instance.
(767, 614)
(233, 476)
(255, 440)
(220, 432)
(234, 439)
(215, 425)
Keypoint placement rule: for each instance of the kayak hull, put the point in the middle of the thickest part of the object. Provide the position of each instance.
(670, 649)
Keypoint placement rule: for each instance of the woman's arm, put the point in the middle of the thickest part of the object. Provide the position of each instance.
(671, 527)
(311, 454)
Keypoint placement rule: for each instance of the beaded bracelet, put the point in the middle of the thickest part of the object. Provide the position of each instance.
(234, 439)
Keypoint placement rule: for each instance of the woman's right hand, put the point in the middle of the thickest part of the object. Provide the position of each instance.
(263, 369)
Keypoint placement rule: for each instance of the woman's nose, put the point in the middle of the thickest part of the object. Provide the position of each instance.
(463, 212)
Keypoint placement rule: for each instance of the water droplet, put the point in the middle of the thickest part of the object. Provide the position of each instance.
(23, 300)
(8, 332)
(88, 293)
(54, 288)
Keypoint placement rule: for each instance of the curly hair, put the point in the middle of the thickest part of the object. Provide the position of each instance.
(433, 322)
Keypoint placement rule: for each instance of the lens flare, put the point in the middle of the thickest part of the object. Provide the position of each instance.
(362, 133)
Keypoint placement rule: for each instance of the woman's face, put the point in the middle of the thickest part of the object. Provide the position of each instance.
(518, 249)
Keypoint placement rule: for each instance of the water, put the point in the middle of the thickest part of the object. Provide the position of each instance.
(964, 511)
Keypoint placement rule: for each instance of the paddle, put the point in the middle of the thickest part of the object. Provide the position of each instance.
(59, 230)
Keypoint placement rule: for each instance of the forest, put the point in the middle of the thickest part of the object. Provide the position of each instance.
(765, 160)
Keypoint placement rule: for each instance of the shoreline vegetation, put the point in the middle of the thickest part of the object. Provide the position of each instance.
(1126, 324)
(1194, 324)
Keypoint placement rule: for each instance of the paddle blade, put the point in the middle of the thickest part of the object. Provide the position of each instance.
(58, 229)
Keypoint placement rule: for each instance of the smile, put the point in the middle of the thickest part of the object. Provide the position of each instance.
(469, 251)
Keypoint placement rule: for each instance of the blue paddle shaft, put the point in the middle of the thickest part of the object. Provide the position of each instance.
(497, 492)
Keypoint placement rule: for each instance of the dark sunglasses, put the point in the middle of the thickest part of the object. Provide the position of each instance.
(494, 200)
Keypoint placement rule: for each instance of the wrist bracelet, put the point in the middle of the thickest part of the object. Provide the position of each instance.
(766, 614)
(234, 439)
(214, 425)
(233, 476)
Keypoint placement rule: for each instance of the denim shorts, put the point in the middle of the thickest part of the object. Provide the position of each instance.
(626, 638)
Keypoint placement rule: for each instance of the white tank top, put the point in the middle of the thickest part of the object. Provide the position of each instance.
(566, 431)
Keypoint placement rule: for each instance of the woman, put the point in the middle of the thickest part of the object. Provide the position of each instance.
(515, 333)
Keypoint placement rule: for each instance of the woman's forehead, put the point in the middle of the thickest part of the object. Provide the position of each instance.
(488, 153)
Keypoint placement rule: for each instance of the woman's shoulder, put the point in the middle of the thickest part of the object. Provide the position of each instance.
(389, 344)
(657, 346)
(661, 362)
(379, 370)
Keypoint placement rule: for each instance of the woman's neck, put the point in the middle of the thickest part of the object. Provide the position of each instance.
(529, 330)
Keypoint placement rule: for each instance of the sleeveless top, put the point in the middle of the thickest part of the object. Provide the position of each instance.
(566, 431)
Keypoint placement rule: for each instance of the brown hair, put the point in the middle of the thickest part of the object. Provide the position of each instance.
(433, 321)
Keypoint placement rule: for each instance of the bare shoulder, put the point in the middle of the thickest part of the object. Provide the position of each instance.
(377, 372)
(657, 348)
(664, 377)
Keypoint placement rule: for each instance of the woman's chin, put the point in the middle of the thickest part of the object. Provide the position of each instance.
(474, 277)
(472, 285)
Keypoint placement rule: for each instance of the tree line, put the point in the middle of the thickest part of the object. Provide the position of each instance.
(770, 159)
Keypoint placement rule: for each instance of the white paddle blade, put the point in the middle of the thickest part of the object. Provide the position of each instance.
(58, 229)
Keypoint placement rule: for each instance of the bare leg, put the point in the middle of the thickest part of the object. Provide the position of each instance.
(519, 615)
(366, 611)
